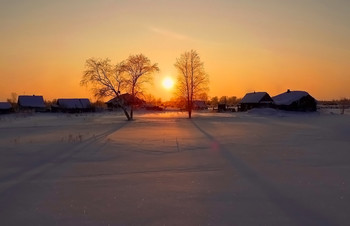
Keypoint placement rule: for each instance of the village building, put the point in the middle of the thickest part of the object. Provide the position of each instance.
(125, 99)
(5, 107)
(72, 105)
(199, 105)
(295, 101)
(222, 107)
(31, 103)
(255, 100)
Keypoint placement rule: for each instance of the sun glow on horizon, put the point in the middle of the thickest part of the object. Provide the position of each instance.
(287, 45)
(168, 83)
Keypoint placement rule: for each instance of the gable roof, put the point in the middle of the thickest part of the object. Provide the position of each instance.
(74, 103)
(31, 101)
(126, 98)
(256, 97)
(5, 106)
(199, 103)
(289, 97)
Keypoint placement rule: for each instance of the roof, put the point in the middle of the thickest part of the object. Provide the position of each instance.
(74, 103)
(31, 101)
(5, 106)
(289, 97)
(252, 98)
(126, 98)
(199, 103)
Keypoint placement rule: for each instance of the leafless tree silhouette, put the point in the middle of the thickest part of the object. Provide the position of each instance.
(137, 71)
(129, 75)
(106, 79)
(192, 80)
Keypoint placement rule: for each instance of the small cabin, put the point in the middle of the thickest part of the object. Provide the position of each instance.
(31, 103)
(5, 107)
(255, 100)
(295, 101)
(73, 105)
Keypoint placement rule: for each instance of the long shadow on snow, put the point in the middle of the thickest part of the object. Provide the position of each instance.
(294, 210)
(57, 158)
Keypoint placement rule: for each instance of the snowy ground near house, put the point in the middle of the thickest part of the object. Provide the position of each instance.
(262, 167)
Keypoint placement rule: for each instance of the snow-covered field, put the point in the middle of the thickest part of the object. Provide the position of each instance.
(264, 167)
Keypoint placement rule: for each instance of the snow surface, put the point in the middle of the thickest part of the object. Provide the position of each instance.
(288, 98)
(262, 167)
(255, 97)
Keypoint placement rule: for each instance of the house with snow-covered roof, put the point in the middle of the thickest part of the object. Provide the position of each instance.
(125, 99)
(5, 107)
(295, 101)
(73, 105)
(199, 105)
(255, 100)
(33, 103)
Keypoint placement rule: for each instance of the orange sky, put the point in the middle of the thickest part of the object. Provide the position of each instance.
(246, 45)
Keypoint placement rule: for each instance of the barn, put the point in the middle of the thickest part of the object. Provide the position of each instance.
(295, 101)
(74, 105)
(32, 103)
(5, 107)
(255, 100)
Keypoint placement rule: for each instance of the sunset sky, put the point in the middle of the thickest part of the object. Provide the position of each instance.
(246, 45)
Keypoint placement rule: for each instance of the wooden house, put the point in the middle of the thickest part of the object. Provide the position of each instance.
(255, 100)
(199, 105)
(125, 99)
(73, 105)
(295, 101)
(31, 103)
(5, 107)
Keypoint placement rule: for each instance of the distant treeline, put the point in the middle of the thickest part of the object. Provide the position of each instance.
(340, 102)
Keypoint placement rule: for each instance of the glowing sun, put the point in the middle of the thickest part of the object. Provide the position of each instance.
(168, 83)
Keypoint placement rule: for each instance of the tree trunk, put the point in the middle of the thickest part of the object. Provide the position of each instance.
(189, 108)
(132, 112)
(132, 103)
(126, 113)
(122, 106)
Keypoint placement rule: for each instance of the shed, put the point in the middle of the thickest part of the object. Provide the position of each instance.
(74, 104)
(295, 101)
(5, 107)
(255, 100)
(35, 103)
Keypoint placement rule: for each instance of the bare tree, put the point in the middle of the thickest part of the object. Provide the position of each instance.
(192, 79)
(223, 100)
(13, 99)
(137, 70)
(106, 79)
(129, 75)
(232, 100)
(214, 101)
